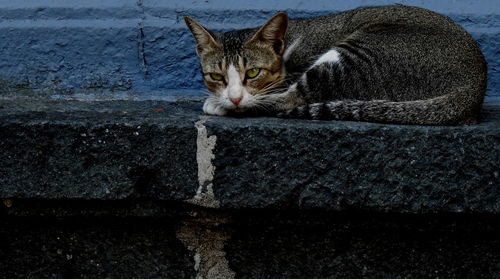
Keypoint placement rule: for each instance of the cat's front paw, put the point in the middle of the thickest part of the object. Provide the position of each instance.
(212, 107)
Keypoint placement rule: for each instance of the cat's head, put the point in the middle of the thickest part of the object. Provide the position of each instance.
(241, 65)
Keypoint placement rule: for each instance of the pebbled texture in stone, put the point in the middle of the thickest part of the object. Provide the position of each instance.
(81, 247)
(126, 150)
(104, 239)
(265, 162)
(97, 150)
(316, 244)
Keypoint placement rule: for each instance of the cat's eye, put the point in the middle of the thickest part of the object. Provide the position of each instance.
(216, 77)
(252, 73)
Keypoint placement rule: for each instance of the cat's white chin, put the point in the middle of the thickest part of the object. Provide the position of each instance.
(211, 107)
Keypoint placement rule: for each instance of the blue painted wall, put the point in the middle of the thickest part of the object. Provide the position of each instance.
(116, 46)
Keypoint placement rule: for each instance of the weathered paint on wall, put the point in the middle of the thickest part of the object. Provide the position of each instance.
(144, 46)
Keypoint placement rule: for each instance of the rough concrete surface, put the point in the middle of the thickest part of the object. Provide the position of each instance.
(108, 189)
(98, 150)
(316, 244)
(123, 149)
(91, 248)
(82, 239)
(265, 162)
(206, 237)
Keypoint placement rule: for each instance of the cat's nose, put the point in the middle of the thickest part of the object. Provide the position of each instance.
(235, 101)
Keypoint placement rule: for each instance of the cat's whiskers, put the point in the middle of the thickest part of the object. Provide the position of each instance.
(214, 98)
(270, 87)
(263, 103)
(273, 91)
(274, 83)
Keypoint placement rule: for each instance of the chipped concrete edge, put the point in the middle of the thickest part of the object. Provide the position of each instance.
(205, 146)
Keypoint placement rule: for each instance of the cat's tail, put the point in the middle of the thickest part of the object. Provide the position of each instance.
(457, 108)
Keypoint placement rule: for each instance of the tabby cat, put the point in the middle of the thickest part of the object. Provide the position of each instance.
(387, 64)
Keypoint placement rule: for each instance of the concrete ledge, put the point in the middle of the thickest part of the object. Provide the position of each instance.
(116, 150)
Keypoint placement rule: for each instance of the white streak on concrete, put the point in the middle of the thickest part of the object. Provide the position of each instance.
(197, 261)
(204, 156)
(206, 239)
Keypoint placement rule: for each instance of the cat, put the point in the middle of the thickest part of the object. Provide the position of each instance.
(387, 64)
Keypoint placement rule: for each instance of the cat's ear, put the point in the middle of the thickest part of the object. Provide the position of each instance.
(205, 39)
(273, 32)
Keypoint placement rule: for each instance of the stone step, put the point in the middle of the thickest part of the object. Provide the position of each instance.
(115, 150)
(154, 189)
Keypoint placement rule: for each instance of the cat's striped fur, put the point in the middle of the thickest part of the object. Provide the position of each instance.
(391, 64)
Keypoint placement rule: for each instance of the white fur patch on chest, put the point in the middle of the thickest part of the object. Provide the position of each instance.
(332, 56)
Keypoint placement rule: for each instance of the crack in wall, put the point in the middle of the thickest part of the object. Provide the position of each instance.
(141, 40)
